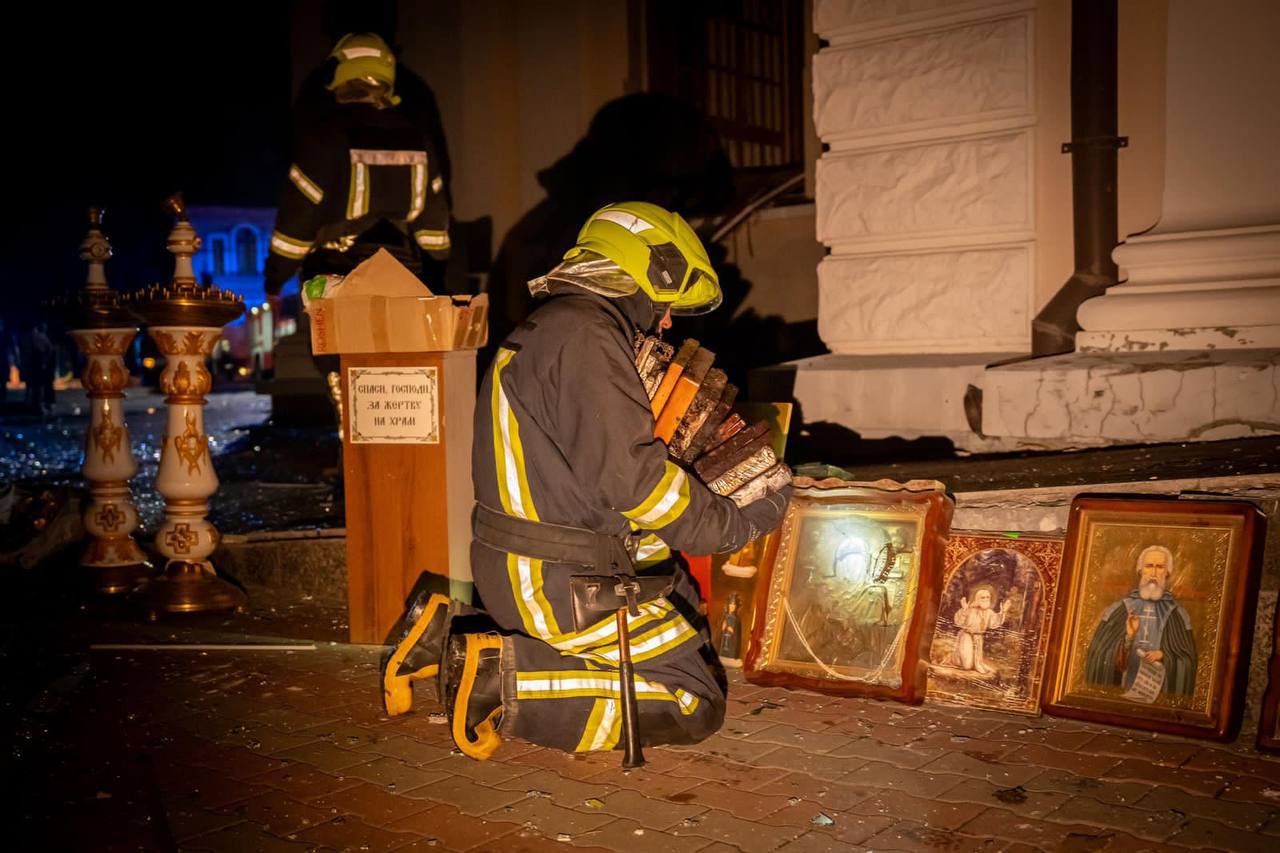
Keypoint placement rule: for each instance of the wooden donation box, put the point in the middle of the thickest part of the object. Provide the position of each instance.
(408, 382)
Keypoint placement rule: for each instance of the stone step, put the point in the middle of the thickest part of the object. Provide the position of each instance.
(301, 562)
(883, 396)
(1122, 398)
(313, 562)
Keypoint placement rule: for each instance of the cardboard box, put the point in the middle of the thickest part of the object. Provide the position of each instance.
(382, 307)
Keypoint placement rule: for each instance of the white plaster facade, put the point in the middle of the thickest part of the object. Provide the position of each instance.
(1187, 346)
(926, 190)
(926, 199)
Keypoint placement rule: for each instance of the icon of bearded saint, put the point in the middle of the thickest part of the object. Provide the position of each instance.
(1146, 626)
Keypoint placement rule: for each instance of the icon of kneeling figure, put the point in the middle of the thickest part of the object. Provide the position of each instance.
(974, 618)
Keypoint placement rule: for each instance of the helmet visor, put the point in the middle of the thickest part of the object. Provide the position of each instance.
(701, 295)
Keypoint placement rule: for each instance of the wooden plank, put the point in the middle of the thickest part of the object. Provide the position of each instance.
(709, 394)
(760, 460)
(706, 437)
(735, 450)
(687, 350)
(682, 396)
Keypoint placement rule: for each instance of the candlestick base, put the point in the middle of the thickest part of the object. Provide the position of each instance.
(114, 580)
(189, 587)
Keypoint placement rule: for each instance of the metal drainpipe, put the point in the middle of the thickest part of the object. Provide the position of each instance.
(1093, 174)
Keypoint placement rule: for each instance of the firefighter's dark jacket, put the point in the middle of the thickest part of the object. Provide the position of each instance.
(354, 165)
(566, 436)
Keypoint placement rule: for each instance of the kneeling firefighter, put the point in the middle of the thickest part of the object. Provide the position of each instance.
(569, 477)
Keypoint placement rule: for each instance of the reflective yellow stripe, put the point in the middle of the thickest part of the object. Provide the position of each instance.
(595, 735)
(599, 643)
(629, 221)
(513, 578)
(661, 639)
(525, 576)
(290, 247)
(418, 200)
(358, 194)
(513, 483)
(429, 239)
(360, 52)
(531, 588)
(651, 550)
(580, 682)
(599, 685)
(387, 157)
(673, 630)
(665, 503)
(363, 158)
(610, 731)
(688, 702)
(593, 723)
(305, 185)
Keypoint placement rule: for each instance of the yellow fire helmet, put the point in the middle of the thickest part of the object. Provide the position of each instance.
(365, 57)
(657, 249)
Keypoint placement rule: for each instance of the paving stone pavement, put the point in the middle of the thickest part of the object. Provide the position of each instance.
(289, 751)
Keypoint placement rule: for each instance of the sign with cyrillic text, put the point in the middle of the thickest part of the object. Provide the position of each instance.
(393, 405)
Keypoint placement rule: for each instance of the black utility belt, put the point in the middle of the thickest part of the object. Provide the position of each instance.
(554, 543)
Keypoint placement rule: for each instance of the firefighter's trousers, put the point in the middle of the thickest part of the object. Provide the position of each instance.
(560, 687)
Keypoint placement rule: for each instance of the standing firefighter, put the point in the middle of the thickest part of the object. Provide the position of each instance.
(566, 463)
(366, 175)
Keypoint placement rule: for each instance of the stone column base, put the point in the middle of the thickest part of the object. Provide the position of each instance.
(1098, 398)
(884, 396)
(1197, 338)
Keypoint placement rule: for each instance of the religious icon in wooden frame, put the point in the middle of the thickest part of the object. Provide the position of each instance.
(848, 592)
(1269, 724)
(992, 628)
(731, 608)
(1155, 614)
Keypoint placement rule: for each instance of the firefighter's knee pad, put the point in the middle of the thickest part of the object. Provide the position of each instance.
(417, 654)
(472, 683)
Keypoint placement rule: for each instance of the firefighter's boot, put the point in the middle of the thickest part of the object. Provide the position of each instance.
(471, 681)
(417, 654)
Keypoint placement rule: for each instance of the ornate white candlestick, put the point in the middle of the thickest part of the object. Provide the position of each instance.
(186, 320)
(103, 330)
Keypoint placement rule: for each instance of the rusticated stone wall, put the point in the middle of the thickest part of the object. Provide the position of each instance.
(926, 193)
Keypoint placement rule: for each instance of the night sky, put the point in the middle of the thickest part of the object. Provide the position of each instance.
(120, 106)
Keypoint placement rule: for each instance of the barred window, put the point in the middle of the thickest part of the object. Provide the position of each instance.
(742, 63)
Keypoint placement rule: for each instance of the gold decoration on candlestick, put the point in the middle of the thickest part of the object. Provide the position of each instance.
(107, 437)
(190, 343)
(109, 517)
(106, 343)
(103, 329)
(105, 377)
(185, 319)
(191, 445)
(186, 384)
(181, 538)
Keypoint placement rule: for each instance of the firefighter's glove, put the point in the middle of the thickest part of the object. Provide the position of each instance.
(766, 513)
